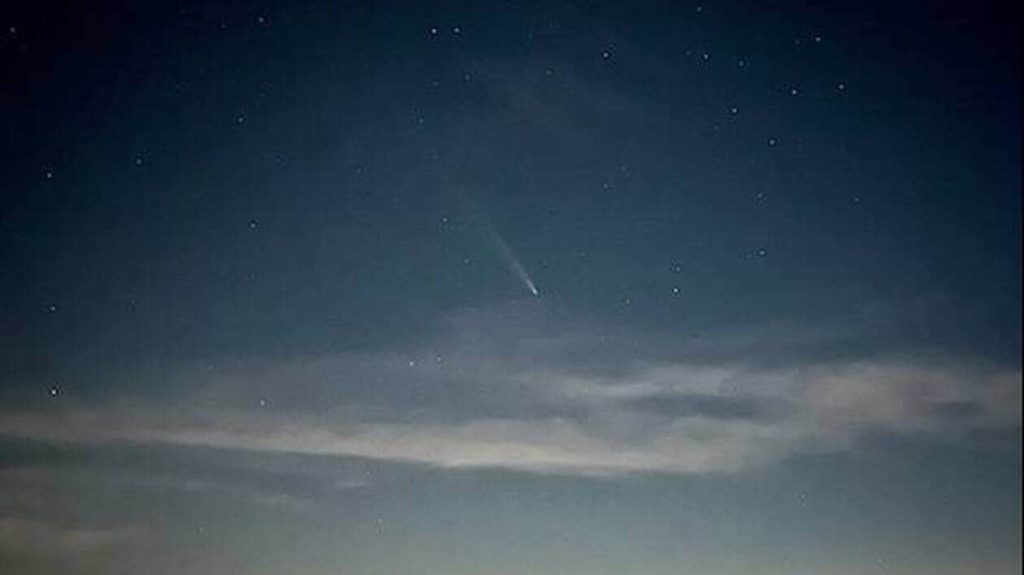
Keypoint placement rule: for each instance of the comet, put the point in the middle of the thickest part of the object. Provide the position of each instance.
(507, 255)
(513, 262)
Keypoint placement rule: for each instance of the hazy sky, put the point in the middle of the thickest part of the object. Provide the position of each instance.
(510, 288)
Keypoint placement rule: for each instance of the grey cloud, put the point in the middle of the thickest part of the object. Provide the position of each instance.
(29, 535)
(831, 410)
(698, 405)
(518, 391)
(41, 482)
(959, 409)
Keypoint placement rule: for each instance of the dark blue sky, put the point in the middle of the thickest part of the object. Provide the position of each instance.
(265, 297)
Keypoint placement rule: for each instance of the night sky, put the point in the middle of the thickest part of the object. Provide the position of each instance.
(510, 288)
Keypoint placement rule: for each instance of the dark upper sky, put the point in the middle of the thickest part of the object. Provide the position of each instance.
(267, 278)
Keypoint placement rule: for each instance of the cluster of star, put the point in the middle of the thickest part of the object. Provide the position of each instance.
(607, 55)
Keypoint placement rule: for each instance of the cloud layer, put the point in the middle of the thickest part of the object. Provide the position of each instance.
(502, 389)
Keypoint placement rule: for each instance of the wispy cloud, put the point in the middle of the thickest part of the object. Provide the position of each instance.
(506, 394)
(29, 535)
